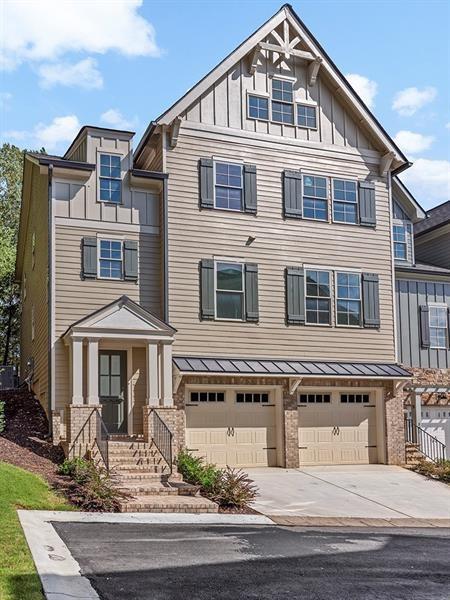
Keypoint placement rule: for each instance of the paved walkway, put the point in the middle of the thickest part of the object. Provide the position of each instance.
(357, 491)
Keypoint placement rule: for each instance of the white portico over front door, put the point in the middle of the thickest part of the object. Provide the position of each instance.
(120, 358)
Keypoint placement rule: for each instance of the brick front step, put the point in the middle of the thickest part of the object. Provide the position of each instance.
(131, 468)
(132, 452)
(147, 489)
(131, 445)
(123, 476)
(131, 460)
(170, 504)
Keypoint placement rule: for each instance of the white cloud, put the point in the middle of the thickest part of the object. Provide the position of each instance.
(60, 130)
(114, 118)
(408, 101)
(46, 30)
(5, 99)
(429, 181)
(447, 125)
(83, 74)
(364, 87)
(412, 143)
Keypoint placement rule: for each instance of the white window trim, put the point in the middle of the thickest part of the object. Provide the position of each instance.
(229, 162)
(264, 96)
(309, 105)
(110, 239)
(109, 153)
(327, 199)
(409, 242)
(272, 99)
(356, 181)
(444, 306)
(336, 299)
(236, 262)
(330, 298)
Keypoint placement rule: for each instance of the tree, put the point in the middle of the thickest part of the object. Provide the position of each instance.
(11, 169)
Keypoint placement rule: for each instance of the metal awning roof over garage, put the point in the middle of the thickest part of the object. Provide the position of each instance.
(188, 365)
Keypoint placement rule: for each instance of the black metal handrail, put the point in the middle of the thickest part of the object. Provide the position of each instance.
(162, 438)
(85, 437)
(427, 444)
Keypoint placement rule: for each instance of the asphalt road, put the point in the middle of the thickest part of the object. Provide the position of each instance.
(190, 562)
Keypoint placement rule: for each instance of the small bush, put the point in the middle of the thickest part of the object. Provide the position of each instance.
(91, 488)
(439, 470)
(2, 416)
(228, 487)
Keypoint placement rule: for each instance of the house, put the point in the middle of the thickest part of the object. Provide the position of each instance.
(229, 284)
(422, 257)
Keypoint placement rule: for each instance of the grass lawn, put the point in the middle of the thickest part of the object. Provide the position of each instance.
(20, 489)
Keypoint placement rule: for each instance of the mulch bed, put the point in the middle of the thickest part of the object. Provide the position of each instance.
(23, 442)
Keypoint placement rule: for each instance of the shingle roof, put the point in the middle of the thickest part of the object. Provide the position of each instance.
(290, 368)
(436, 217)
(425, 268)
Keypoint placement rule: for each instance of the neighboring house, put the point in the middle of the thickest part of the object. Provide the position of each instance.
(423, 308)
(233, 275)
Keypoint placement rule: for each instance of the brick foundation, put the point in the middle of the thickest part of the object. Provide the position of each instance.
(80, 432)
(175, 420)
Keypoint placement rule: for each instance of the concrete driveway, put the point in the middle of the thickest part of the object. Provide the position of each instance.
(372, 491)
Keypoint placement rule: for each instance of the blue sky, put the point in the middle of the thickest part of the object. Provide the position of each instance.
(122, 63)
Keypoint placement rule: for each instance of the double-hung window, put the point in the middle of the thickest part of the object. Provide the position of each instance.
(110, 259)
(438, 316)
(228, 186)
(110, 180)
(318, 297)
(348, 299)
(229, 290)
(283, 101)
(400, 242)
(306, 116)
(315, 202)
(258, 107)
(345, 201)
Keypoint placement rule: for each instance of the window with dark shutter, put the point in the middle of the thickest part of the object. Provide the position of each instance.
(207, 289)
(250, 190)
(371, 300)
(206, 176)
(292, 194)
(130, 260)
(251, 293)
(367, 205)
(424, 326)
(89, 258)
(295, 296)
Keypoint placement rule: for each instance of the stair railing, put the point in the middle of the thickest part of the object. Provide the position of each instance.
(162, 438)
(93, 432)
(427, 444)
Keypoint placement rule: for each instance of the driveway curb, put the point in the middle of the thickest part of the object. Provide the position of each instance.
(291, 521)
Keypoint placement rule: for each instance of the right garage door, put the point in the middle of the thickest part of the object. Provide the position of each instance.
(337, 428)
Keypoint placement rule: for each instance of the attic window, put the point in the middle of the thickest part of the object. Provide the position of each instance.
(283, 101)
(306, 116)
(110, 180)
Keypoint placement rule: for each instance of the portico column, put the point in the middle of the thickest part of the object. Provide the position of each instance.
(77, 371)
(417, 410)
(167, 374)
(92, 372)
(152, 374)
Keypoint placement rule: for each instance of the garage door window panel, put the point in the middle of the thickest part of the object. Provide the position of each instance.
(196, 397)
(252, 398)
(229, 291)
(315, 399)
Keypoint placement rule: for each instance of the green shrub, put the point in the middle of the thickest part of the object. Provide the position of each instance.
(439, 470)
(2, 416)
(91, 487)
(228, 487)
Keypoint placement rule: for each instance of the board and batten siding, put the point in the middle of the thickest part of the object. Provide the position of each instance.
(196, 234)
(434, 249)
(410, 295)
(36, 290)
(225, 105)
(76, 298)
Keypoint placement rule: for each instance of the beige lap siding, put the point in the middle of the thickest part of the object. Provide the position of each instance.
(195, 234)
(76, 298)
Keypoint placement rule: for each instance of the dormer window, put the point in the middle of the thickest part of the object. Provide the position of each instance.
(400, 244)
(402, 235)
(110, 179)
(283, 101)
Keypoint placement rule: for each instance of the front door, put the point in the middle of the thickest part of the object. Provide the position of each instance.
(113, 389)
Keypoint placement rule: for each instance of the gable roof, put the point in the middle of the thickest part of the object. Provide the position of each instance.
(286, 12)
(436, 217)
(407, 201)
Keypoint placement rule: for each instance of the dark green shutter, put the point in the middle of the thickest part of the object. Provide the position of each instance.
(250, 193)
(292, 194)
(424, 326)
(371, 300)
(367, 204)
(207, 289)
(251, 293)
(206, 174)
(130, 260)
(295, 296)
(89, 258)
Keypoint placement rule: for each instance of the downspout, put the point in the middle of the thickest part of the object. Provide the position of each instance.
(50, 299)
(166, 251)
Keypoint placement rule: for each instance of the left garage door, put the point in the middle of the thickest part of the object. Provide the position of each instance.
(232, 428)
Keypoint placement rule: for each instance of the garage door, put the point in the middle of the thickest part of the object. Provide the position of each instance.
(337, 429)
(232, 428)
(436, 422)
